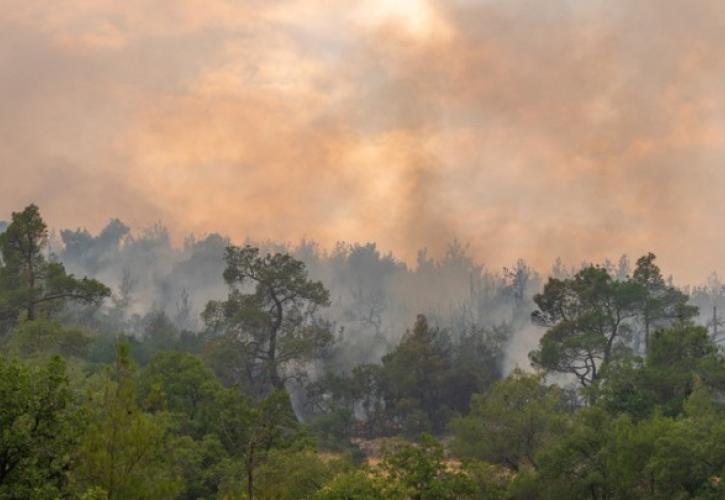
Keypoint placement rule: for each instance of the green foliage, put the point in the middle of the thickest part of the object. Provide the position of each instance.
(414, 379)
(510, 424)
(675, 357)
(659, 303)
(592, 317)
(294, 474)
(358, 484)
(160, 334)
(661, 457)
(38, 429)
(407, 471)
(231, 362)
(125, 451)
(420, 471)
(207, 469)
(47, 338)
(575, 466)
(664, 379)
(31, 285)
(275, 323)
(492, 481)
(182, 385)
(422, 383)
(332, 430)
(211, 425)
(273, 426)
(586, 318)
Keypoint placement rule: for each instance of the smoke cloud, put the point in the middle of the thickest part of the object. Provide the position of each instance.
(579, 129)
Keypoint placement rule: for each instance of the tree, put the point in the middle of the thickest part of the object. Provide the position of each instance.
(159, 332)
(358, 484)
(660, 304)
(477, 356)
(125, 451)
(295, 474)
(660, 457)
(47, 338)
(664, 379)
(341, 406)
(208, 471)
(415, 379)
(510, 424)
(410, 471)
(38, 429)
(231, 363)
(516, 283)
(587, 317)
(273, 426)
(28, 282)
(186, 389)
(427, 379)
(575, 466)
(420, 471)
(271, 311)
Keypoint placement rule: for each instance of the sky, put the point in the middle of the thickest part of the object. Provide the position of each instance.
(579, 129)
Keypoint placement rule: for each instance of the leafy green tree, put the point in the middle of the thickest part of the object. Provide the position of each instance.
(421, 384)
(660, 304)
(658, 457)
(360, 484)
(207, 469)
(624, 388)
(38, 429)
(476, 359)
(415, 379)
(273, 426)
(420, 471)
(125, 452)
(28, 282)
(510, 424)
(295, 474)
(678, 355)
(47, 338)
(575, 466)
(212, 424)
(271, 311)
(664, 379)
(587, 319)
(410, 471)
(492, 481)
(341, 406)
(231, 362)
(180, 384)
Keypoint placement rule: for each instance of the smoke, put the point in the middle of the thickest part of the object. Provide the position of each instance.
(535, 129)
(522, 342)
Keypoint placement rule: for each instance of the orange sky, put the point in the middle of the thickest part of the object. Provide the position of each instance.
(528, 128)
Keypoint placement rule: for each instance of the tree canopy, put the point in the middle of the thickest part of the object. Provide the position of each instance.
(31, 284)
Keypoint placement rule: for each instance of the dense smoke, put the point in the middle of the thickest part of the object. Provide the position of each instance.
(375, 297)
(573, 129)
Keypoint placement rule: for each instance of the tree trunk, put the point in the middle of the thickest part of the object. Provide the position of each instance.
(271, 354)
(274, 377)
(250, 471)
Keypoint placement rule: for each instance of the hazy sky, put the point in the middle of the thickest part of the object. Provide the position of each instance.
(529, 128)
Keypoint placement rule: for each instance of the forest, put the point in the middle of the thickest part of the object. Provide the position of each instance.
(131, 368)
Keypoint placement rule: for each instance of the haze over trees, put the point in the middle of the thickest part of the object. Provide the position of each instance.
(263, 371)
